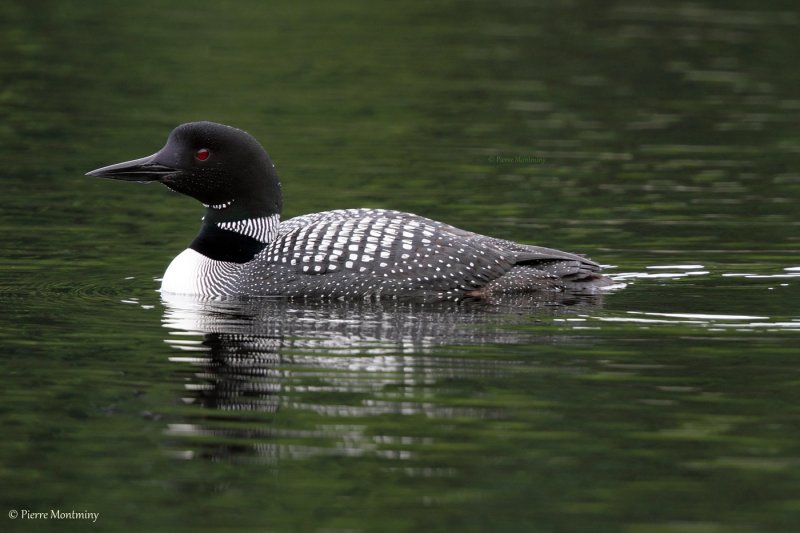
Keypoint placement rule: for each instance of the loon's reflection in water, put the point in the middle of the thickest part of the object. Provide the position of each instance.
(272, 378)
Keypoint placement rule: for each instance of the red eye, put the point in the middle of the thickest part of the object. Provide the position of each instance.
(202, 154)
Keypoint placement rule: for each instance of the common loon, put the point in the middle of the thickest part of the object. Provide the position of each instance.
(243, 249)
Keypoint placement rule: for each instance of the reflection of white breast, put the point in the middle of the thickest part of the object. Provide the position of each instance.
(193, 273)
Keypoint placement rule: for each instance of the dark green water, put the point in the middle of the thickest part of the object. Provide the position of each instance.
(664, 141)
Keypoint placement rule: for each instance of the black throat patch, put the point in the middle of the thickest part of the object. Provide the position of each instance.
(225, 245)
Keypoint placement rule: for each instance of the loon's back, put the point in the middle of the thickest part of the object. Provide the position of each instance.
(381, 253)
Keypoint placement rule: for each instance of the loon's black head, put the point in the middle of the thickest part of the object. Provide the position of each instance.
(223, 167)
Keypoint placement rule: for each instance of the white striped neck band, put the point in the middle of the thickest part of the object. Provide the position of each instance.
(263, 229)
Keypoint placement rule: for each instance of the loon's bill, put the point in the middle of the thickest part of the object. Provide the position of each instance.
(244, 249)
(143, 170)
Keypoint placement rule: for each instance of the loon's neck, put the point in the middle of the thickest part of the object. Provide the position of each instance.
(234, 240)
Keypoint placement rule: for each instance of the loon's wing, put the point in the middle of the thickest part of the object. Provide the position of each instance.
(370, 251)
(552, 261)
(373, 252)
(529, 253)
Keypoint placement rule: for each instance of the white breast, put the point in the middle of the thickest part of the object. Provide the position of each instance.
(193, 273)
